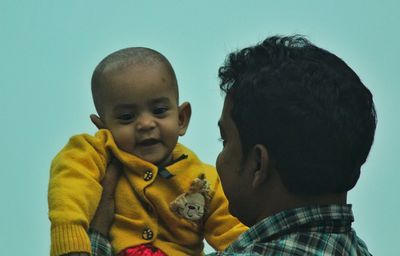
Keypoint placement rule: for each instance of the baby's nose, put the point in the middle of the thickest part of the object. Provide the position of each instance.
(145, 122)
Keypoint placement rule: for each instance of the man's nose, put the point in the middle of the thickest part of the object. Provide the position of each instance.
(145, 122)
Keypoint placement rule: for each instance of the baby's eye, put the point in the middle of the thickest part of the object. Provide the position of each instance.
(126, 117)
(160, 110)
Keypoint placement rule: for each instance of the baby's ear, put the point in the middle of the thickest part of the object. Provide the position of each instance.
(185, 111)
(97, 121)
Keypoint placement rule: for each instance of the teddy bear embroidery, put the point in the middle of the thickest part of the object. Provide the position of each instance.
(192, 205)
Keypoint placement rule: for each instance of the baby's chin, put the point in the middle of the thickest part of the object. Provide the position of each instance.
(156, 160)
(158, 155)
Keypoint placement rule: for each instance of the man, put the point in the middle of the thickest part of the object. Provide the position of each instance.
(297, 125)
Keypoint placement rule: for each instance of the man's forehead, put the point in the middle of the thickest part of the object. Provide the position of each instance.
(226, 113)
(220, 125)
(227, 108)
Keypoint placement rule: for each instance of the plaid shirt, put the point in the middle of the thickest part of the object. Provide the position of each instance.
(100, 244)
(313, 230)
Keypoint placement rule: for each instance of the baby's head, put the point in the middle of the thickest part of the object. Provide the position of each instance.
(135, 93)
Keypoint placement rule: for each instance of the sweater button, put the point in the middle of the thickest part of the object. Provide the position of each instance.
(148, 175)
(147, 234)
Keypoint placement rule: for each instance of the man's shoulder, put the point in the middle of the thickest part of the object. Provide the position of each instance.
(313, 243)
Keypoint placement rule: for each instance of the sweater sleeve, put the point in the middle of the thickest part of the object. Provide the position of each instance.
(221, 228)
(74, 192)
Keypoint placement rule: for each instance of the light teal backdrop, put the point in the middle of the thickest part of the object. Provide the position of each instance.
(48, 50)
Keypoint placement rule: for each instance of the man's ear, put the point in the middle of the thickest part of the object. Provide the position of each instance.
(185, 111)
(97, 121)
(259, 165)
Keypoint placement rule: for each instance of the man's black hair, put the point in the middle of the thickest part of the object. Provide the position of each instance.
(307, 107)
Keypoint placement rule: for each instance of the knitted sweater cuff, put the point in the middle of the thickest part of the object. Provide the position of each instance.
(69, 238)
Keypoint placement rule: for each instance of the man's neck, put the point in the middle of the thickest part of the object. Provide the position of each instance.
(286, 201)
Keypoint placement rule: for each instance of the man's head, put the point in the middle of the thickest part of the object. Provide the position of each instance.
(304, 106)
(135, 93)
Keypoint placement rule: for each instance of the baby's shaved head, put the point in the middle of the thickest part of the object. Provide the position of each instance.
(121, 59)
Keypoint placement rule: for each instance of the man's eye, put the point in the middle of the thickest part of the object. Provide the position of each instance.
(125, 117)
(160, 110)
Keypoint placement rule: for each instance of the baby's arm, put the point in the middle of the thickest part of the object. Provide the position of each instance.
(74, 192)
(104, 216)
(221, 228)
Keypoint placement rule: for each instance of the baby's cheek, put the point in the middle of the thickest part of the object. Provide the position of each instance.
(124, 139)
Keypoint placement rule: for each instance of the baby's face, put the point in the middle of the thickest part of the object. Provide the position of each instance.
(141, 111)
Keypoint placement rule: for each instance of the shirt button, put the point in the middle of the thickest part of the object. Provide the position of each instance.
(147, 234)
(148, 175)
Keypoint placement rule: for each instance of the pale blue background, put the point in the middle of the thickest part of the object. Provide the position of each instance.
(48, 50)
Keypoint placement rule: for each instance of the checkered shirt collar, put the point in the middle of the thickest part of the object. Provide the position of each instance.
(325, 218)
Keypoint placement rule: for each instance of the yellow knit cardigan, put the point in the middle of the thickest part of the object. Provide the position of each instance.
(142, 200)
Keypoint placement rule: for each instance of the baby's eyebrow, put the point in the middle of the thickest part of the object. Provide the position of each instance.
(124, 106)
(160, 100)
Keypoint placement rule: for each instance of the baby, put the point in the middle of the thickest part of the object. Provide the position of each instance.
(166, 199)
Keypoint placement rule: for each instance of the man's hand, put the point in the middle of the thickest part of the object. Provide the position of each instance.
(104, 216)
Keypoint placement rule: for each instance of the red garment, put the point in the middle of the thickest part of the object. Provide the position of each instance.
(143, 250)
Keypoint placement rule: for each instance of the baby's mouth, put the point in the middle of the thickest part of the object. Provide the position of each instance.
(148, 142)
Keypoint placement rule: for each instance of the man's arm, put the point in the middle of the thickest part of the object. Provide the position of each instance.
(102, 220)
(104, 215)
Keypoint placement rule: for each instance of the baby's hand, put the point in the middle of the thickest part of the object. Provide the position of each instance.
(104, 216)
